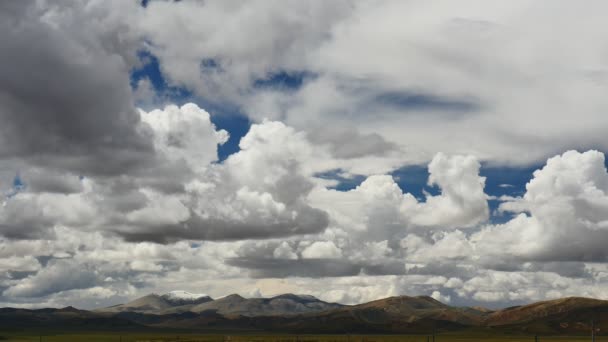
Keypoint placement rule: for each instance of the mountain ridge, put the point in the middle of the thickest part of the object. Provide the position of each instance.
(232, 304)
(307, 314)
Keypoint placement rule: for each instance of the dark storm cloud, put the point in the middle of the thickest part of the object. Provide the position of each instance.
(315, 268)
(16, 226)
(308, 221)
(37, 180)
(426, 102)
(65, 99)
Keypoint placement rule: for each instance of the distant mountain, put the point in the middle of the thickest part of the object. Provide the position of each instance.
(412, 309)
(175, 301)
(307, 314)
(401, 314)
(286, 304)
(565, 315)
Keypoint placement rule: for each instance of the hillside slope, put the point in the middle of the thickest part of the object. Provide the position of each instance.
(291, 313)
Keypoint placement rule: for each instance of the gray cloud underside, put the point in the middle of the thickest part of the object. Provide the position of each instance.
(197, 228)
(314, 268)
(72, 109)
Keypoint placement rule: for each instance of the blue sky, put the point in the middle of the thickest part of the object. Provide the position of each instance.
(224, 116)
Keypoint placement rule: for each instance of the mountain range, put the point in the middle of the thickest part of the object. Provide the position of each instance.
(306, 314)
(234, 304)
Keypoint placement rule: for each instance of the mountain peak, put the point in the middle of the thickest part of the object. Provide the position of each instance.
(430, 299)
(297, 297)
(234, 296)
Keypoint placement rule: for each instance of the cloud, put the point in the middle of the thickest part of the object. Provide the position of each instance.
(185, 133)
(57, 276)
(440, 297)
(320, 250)
(348, 142)
(33, 215)
(378, 206)
(73, 110)
(375, 228)
(284, 251)
(266, 191)
(313, 268)
(419, 83)
(229, 52)
(116, 200)
(259, 192)
(462, 201)
(562, 214)
(21, 264)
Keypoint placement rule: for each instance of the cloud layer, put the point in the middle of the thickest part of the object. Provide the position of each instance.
(103, 200)
(499, 82)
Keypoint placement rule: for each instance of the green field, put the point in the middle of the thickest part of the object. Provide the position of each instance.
(142, 337)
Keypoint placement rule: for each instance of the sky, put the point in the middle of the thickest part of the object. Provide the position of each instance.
(350, 150)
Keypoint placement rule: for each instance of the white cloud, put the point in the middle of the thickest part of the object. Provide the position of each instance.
(564, 217)
(145, 266)
(462, 202)
(322, 250)
(160, 209)
(378, 207)
(440, 297)
(186, 133)
(454, 283)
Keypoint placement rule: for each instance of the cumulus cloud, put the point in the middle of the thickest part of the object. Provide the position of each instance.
(284, 251)
(380, 207)
(462, 201)
(185, 133)
(562, 216)
(106, 201)
(375, 227)
(259, 192)
(31, 215)
(321, 250)
(440, 297)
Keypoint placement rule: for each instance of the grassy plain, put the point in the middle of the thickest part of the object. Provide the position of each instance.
(174, 337)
